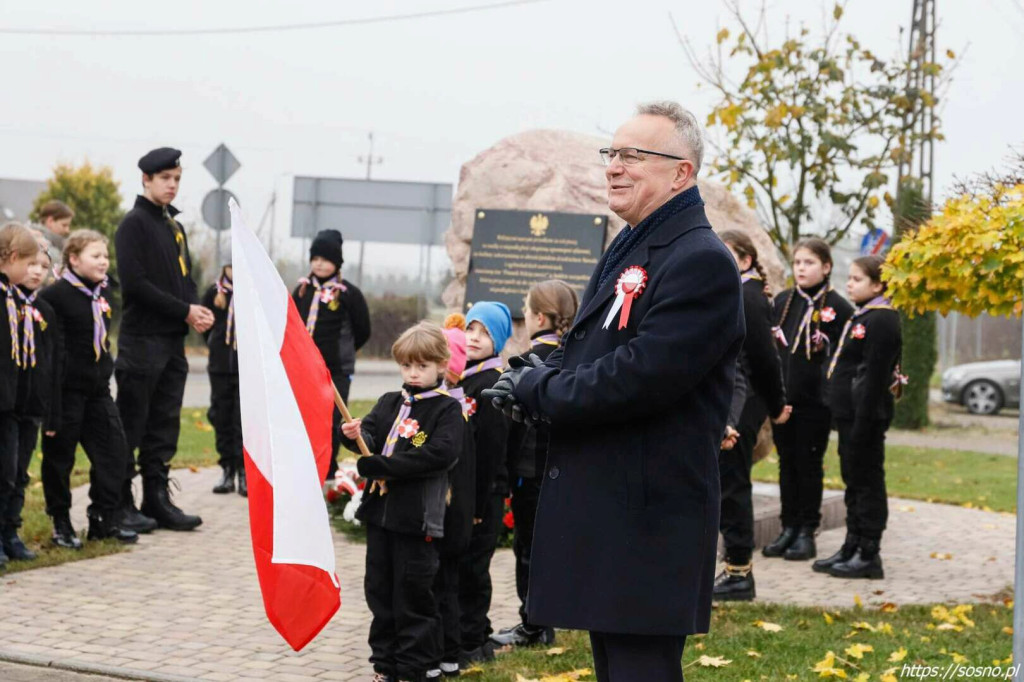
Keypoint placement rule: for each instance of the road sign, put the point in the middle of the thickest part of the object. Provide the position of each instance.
(222, 164)
(215, 209)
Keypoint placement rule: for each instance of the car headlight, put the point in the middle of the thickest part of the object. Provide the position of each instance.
(953, 375)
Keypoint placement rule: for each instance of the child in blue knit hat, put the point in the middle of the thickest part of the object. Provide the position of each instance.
(488, 328)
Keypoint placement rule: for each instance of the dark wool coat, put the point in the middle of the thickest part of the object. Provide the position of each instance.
(627, 523)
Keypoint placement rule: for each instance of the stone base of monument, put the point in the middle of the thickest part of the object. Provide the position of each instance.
(767, 506)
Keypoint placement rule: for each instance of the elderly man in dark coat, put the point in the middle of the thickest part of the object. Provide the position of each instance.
(627, 523)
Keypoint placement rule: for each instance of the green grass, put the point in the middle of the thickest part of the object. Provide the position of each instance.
(935, 475)
(792, 653)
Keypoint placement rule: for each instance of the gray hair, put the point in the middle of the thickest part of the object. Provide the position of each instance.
(686, 127)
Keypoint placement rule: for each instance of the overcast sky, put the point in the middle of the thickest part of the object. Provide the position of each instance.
(434, 90)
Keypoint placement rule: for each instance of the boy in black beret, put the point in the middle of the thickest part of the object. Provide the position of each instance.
(160, 303)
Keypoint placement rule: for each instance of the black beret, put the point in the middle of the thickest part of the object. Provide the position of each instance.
(160, 159)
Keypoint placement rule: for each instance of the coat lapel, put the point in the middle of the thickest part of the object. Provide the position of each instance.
(665, 234)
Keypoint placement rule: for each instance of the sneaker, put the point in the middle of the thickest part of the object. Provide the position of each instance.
(449, 669)
(15, 549)
(481, 654)
(64, 534)
(524, 635)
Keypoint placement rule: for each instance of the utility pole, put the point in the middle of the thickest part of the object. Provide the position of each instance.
(920, 81)
(371, 161)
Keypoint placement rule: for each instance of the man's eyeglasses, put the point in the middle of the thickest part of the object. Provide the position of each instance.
(631, 155)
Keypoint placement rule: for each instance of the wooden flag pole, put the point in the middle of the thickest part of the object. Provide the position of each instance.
(347, 416)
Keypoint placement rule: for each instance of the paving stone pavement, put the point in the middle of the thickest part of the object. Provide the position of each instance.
(186, 606)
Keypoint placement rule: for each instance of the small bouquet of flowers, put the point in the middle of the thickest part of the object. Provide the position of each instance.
(344, 494)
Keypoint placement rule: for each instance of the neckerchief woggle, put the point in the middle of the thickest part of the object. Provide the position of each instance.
(99, 308)
(749, 275)
(490, 363)
(225, 286)
(545, 340)
(322, 291)
(31, 316)
(12, 321)
(877, 303)
(403, 426)
(629, 286)
(804, 329)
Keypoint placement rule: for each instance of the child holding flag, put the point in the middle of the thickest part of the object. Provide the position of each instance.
(489, 326)
(416, 435)
(83, 411)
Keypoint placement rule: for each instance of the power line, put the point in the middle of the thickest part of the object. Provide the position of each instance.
(265, 29)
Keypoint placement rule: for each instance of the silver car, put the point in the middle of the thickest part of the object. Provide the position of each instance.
(983, 387)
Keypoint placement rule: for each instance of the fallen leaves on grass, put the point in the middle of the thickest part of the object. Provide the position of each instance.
(898, 655)
(858, 650)
(768, 627)
(826, 667)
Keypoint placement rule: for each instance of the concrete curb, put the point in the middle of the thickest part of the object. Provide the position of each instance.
(71, 665)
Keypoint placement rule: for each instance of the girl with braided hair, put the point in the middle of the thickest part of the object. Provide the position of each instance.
(548, 312)
(761, 370)
(809, 319)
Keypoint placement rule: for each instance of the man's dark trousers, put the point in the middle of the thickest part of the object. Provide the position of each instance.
(151, 373)
(629, 658)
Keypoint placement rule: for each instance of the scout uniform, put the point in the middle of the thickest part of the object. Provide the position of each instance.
(35, 390)
(155, 269)
(489, 430)
(760, 375)
(338, 319)
(225, 413)
(417, 435)
(808, 323)
(83, 412)
(864, 376)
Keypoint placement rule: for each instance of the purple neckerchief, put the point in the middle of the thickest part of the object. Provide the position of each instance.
(877, 303)
(403, 414)
(225, 286)
(99, 307)
(490, 363)
(545, 340)
(749, 275)
(29, 313)
(459, 394)
(12, 320)
(323, 291)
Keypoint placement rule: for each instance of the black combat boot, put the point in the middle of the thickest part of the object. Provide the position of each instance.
(524, 635)
(803, 547)
(735, 583)
(156, 503)
(227, 481)
(243, 487)
(844, 554)
(104, 525)
(14, 548)
(64, 534)
(131, 518)
(779, 546)
(866, 562)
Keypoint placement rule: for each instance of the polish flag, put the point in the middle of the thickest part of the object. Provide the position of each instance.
(287, 402)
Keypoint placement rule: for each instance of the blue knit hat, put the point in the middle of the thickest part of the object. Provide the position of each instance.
(496, 319)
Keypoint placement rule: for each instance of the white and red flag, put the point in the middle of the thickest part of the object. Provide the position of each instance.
(287, 401)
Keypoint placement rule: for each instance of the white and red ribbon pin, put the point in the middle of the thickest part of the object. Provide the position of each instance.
(631, 283)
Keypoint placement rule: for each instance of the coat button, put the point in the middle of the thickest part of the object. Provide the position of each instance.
(580, 333)
(553, 473)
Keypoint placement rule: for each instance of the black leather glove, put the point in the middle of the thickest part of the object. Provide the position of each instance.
(502, 394)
